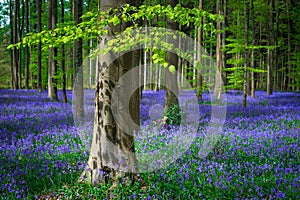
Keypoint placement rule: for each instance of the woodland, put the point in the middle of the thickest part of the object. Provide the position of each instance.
(160, 99)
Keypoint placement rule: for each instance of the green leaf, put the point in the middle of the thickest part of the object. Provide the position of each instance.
(172, 69)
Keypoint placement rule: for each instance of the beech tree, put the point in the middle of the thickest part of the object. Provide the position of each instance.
(246, 56)
(171, 78)
(39, 58)
(78, 89)
(199, 55)
(27, 48)
(270, 51)
(52, 67)
(112, 148)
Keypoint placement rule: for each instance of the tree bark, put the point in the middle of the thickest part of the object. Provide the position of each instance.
(63, 62)
(277, 55)
(12, 55)
(172, 59)
(224, 73)
(78, 88)
(39, 59)
(217, 92)
(27, 48)
(112, 148)
(246, 58)
(52, 62)
(289, 65)
(15, 50)
(20, 35)
(252, 51)
(270, 51)
(199, 55)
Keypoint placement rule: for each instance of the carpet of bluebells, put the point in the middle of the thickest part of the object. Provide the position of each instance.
(256, 157)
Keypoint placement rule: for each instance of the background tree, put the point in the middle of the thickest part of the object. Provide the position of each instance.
(39, 57)
(52, 68)
(27, 48)
(270, 51)
(246, 59)
(199, 55)
(171, 77)
(63, 61)
(15, 55)
(78, 89)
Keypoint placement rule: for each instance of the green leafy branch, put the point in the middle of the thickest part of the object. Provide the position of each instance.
(94, 23)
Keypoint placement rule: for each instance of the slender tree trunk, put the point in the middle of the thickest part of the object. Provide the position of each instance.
(145, 64)
(277, 49)
(252, 52)
(141, 73)
(12, 54)
(180, 63)
(224, 74)
(20, 35)
(63, 62)
(27, 48)
(72, 66)
(172, 59)
(246, 59)
(150, 70)
(218, 52)
(52, 66)
(289, 65)
(78, 88)
(270, 51)
(194, 70)
(50, 56)
(199, 56)
(15, 51)
(39, 59)
(261, 60)
(55, 53)
(157, 78)
(91, 65)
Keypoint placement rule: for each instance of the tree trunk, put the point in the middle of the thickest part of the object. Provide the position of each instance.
(217, 92)
(172, 59)
(63, 62)
(199, 56)
(39, 59)
(180, 61)
(12, 55)
(252, 52)
(145, 65)
(72, 66)
(21, 27)
(157, 78)
(78, 88)
(112, 150)
(289, 65)
(276, 43)
(91, 65)
(52, 66)
(270, 51)
(141, 73)
(246, 59)
(27, 48)
(15, 50)
(224, 74)
(150, 70)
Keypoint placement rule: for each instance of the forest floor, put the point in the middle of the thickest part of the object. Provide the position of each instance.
(257, 155)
